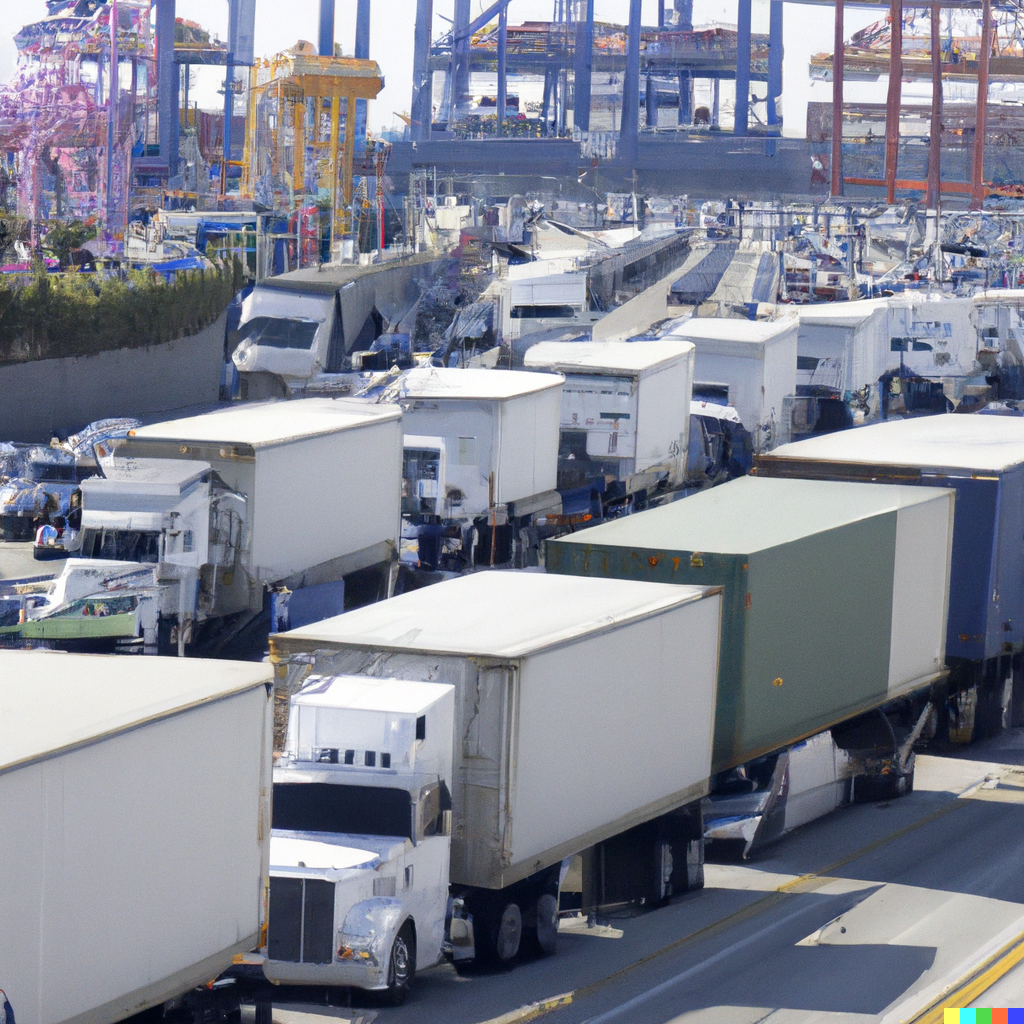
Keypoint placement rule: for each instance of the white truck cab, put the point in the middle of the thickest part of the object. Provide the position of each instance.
(359, 853)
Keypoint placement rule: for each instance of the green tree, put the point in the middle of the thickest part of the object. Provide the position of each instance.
(64, 238)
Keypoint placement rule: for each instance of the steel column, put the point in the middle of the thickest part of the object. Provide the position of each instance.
(502, 68)
(838, 72)
(893, 101)
(684, 15)
(629, 125)
(421, 112)
(363, 30)
(459, 67)
(978, 163)
(325, 37)
(166, 79)
(113, 102)
(685, 96)
(935, 130)
(775, 54)
(582, 63)
(741, 118)
(651, 102)
(661, 13)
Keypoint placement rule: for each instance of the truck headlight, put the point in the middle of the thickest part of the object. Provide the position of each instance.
(367, 929)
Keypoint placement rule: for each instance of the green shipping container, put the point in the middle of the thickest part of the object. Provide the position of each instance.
(834, 595)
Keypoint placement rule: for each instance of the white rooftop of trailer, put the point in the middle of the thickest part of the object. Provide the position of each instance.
(623, 358)
(727, 336)
(752, 514)
(368, 693)
(999, 296)
(165, 476)
(950, 441)
(840, 314)
(264, 424)
(52, 702)
(449, 383)
(495, 614)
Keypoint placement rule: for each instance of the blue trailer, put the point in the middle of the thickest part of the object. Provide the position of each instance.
(982, 459)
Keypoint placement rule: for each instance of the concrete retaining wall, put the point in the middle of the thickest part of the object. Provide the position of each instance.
(58, 396)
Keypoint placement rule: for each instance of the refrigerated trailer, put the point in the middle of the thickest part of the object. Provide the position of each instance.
(135, 809)
(981, 458)
(550, 716)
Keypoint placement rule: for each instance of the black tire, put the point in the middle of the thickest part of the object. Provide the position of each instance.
(542, 934)
(264, 1012)
(872, 788)
(500, 933)
(401, 965)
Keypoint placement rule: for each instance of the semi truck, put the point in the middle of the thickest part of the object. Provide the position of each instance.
(429, 786)
(135, 797)
(280, 495)
(981, 458)
(834, 609)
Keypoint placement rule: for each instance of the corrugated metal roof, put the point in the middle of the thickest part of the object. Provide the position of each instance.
(494, 614)
(950, 441)
(51, 702)
(701, 280)
(268, 423)
(752, 514)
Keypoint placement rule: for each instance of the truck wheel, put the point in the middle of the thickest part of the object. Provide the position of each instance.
(543, 935)
(401, 965)
(507, 930)
(264, 1012)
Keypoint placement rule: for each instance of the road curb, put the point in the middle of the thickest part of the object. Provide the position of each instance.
(532, 1010)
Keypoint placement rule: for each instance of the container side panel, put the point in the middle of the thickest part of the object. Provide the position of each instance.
(149, 848)
(779, 384)
(829, 344)
(1010, 563)
(612, 724)
(325, 497)
(468, 429)
(920, 591)
(703, 569)
(528, 459)
(817, 633)
(663, 428)
(745, 377)
(871, 351)
(974, 626)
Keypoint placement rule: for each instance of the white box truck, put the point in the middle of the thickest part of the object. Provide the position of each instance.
(756, 359)
(549, 716)
(481, 459)
(135, 798)
(289, 495)
(625, 410)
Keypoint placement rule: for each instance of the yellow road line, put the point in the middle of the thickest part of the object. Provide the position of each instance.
(973, 984)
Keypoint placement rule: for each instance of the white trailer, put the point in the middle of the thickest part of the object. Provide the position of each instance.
(288, 494)
(629, 405)
(757, 360)
(555, 681)
(134, 848)
(500, 430)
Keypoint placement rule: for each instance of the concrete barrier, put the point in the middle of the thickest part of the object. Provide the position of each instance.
(58, 396)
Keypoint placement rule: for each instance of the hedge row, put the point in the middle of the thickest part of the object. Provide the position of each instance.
(75, 314)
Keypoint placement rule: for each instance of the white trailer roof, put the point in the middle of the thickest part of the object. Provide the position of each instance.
(726, 336)
(164, 476)
(494, 614)
(840, 314)
(53, 702)
(999, 297)
(751, 514)
(443, 382)
(263, 424)
(608, 357)
(369, 693)
(950, 441)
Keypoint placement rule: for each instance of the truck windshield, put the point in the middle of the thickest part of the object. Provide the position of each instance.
(355, 810)
(279, 332)
(122, 545)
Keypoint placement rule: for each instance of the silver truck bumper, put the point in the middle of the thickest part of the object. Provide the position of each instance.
(356, 973)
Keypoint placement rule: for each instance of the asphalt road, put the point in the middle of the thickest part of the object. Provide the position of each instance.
(865, 915)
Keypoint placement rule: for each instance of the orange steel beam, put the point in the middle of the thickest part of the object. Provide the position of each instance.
(905, 183)
(837, 102)
(892, 106)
